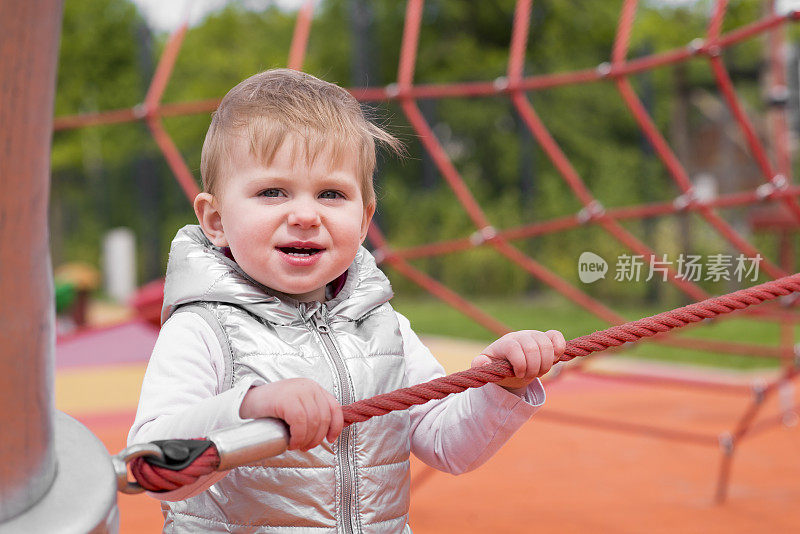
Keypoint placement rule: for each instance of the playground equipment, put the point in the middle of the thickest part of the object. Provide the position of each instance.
(776, 191)
(156, 470)
(29, 452)
(54, 474)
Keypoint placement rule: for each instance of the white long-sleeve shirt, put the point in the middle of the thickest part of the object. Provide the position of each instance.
(183, 397)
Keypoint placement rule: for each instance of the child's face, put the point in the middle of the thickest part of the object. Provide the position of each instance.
(291, 226)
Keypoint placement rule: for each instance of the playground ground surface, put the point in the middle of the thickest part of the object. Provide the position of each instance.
(553, 476)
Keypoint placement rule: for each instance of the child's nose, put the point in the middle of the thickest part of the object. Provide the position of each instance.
(303, 214)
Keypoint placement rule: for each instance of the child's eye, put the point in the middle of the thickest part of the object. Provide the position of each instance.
(331, 195)
(270, 193)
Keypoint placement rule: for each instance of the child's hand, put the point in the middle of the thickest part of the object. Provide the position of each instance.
(311, 412)
(532, 353)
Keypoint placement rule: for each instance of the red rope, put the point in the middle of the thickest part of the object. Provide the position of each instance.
(154, 478)
(715, 24)
(302, 30)
(624, 27)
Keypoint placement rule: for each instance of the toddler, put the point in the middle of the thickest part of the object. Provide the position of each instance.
(273, 309)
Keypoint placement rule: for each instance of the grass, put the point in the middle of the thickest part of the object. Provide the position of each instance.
(432, 317)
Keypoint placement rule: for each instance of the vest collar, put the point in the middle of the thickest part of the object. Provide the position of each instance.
(198, 271)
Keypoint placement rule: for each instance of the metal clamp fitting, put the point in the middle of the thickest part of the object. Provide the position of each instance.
(179, 453)
(777, 183)
(590, 212)
(250, 442)
(500, 84)
(696, 46)
(121, 461)
(487, 233)
(140, 111)
(685, 200)
(392, 90)
(604, 69)
(780, 182)
(764, 191)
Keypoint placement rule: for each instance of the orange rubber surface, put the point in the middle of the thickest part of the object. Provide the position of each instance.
(552, 476)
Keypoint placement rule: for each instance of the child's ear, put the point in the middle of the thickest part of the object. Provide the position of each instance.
(207, 210)
(369, 211)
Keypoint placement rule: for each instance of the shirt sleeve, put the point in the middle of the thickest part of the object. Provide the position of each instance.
(182, 393)
(460, 432)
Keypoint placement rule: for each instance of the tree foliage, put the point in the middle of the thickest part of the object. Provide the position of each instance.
(107, 59)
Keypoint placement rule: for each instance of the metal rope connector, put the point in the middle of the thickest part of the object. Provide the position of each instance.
(120, 462)
(487, 233)
(767, 190)
(141, 111)
(604, 69)
(593, 210)
(392, 90)
(696, 46)
(179, 453)
(685, 200)
(713, 50)
(764, 191)
(500, 84)
(780, 182)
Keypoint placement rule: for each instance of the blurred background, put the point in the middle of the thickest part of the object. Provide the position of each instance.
(115, 206)
(114, 176)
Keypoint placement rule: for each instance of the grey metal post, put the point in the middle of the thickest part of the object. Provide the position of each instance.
(55, 476)
(29, 36)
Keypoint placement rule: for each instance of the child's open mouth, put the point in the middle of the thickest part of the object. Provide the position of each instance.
(299, 252)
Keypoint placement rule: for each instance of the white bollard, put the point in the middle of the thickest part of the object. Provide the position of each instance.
(119, 263)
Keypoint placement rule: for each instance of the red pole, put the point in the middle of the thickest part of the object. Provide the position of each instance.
(55, 476)
(302, 29)
(29, 36)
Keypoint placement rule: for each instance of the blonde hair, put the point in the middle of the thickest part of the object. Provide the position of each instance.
(270, 105)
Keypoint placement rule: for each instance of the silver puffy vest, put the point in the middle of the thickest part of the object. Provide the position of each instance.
(351, 345)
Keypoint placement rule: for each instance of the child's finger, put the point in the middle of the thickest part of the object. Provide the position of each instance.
(312, 422)
(337, 419)
(298, 422)
(515, 354)
(534, 351)
(547, 353)
(323, 420)
(559, 343)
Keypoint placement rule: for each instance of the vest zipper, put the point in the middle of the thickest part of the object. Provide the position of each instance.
(343, 453)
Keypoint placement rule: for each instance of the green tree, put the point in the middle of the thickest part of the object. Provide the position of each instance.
(509, 175)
